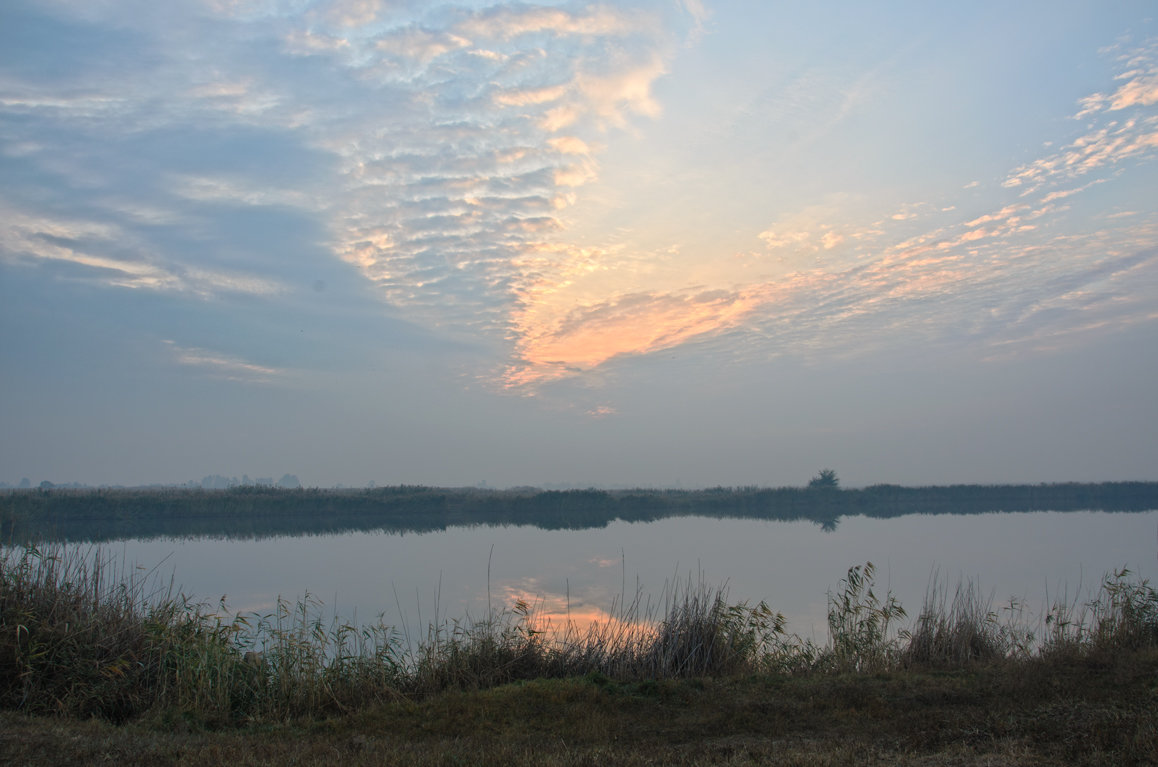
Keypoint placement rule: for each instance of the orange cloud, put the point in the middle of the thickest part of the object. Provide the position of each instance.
(579, 308)
(640, 323)
(524, 97)
(508, 23)
(569, 145)
(1001, 215)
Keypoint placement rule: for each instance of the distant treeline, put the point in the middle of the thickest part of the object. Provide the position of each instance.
(257, 512)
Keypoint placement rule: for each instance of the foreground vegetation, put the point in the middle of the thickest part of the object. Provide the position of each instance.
(98, 666)
(252, 511)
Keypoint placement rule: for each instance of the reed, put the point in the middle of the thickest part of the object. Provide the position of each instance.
(80, 638)
(1123, 616)
(859, 625)
(951, 632)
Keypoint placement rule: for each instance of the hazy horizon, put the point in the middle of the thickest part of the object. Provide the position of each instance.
(222, 482)
(663, 243)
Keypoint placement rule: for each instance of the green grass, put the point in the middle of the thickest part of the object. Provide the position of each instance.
(93, 661)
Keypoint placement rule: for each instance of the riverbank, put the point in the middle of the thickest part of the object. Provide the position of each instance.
(97, 668)
(1079, 711)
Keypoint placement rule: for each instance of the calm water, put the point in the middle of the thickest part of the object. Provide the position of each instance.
(407, 578)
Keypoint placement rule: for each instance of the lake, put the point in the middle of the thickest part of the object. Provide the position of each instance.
(414, 579)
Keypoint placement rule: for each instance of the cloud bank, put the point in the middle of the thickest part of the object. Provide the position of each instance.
(441, 152)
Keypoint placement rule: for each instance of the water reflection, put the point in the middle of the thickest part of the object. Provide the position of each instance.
(412, 581)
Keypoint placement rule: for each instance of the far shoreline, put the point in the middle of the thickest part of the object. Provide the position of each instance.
(104, 514)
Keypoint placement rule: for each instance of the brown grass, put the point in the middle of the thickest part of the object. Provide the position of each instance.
(705, 681)
(1086, 714)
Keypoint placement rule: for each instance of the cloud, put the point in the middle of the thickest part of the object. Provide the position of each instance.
(775, 238)
(473, 169)
(456, 141)
(1142, 90)
(252, 10)
(810, 231)
(224, 366)
(506, 22)
(633, 324)
(104, 253)
(354, 13)
(421, 45)
(1005, 214)
(1139, 84)
(575, 175)
(241, 97)
(535, 96)
(1111, 138)
(930, 271)
(569, 145)
(306, 42)
(445, 125)
(700, 16)
(1109, 145)
(627, 89)
(239, 191)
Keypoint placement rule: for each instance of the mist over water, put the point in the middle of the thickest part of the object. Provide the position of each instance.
(413, 580)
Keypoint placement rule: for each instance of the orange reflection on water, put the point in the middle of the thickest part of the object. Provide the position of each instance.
(559, 618)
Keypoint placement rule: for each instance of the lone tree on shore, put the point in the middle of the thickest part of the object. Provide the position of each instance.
(824, 480)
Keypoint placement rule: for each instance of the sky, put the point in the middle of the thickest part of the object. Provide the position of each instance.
(665, 243)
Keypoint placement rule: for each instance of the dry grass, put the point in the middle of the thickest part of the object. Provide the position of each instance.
(699, 680)
(1084, 715)
(963, 630)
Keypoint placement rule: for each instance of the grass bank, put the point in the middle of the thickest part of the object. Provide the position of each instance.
(94, 664)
